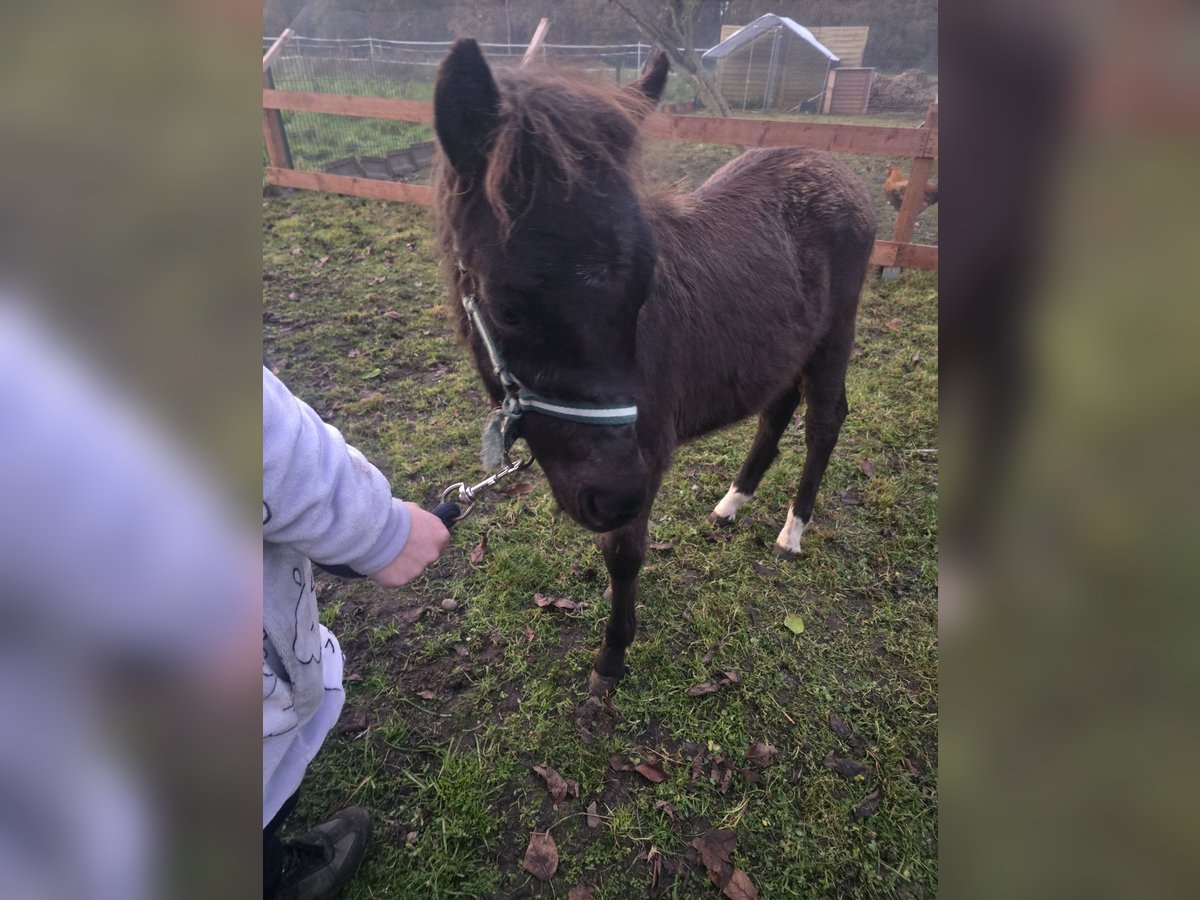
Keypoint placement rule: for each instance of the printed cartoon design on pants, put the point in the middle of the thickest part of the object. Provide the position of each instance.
(306, 645)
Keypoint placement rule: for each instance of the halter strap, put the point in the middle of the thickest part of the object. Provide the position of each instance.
(518, 399)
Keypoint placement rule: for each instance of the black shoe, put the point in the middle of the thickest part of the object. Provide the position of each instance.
(321, 861)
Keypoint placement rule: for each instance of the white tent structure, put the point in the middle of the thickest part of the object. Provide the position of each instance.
(773, 64)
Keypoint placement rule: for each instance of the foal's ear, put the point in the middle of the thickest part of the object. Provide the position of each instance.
(466, 105)
(654, 77)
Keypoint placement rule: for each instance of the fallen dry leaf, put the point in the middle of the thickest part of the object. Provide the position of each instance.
(529, 635)
(661, 545)
(479, 551)
(698, 763)
(712, 652)
(847, 768)
(579, 892)
(850, 498)
(654, 860)
(409, 616)
(709, 687)
(557, 602)
(651, 772)
(857, 350)
(593, 815)
(739, 887)
(892, 324)
(751, 776)
(915, 769)
(619, 763)
(665, 807)
(839, 727)
(866, 467)
(427, 695)
(869, 804)
(321, 262)
(558, 786)
(714, 849)
(541, 856)
(411, 838)
(761, 754)
(393, 314)
(725, 780)
(355, 722)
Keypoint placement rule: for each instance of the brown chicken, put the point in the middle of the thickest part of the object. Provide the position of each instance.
(896, 185)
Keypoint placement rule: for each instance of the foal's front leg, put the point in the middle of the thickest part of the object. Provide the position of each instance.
(624, 551)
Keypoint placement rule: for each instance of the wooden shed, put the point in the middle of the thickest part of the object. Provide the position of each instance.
(847, 42)
(848, 91)
(773, 64)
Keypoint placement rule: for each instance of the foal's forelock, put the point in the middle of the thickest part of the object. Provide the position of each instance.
(554, 129)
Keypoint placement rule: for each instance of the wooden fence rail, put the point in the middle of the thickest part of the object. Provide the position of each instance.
(919, 143)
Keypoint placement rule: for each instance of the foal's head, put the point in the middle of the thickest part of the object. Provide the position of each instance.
(537, 204)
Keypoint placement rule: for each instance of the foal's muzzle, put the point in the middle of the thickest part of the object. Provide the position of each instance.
(608, 508)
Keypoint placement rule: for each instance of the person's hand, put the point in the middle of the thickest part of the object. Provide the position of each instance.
(427, 538)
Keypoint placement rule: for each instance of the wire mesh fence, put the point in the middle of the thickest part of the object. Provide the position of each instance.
(840, 73)
(407, 70)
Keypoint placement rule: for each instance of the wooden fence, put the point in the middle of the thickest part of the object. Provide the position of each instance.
(921, 144)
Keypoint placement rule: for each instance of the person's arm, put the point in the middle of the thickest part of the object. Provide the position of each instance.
(322, 497)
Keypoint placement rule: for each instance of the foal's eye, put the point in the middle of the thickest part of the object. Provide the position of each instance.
(505, 315)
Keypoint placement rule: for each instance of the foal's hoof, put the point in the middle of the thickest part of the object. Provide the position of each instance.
(720, 521)
(599, 685)
(786, 552)
(608, 593)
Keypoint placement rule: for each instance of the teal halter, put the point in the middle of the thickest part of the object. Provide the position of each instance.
(518, 399)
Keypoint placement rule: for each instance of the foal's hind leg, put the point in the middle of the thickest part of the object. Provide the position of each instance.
(772, 423)
(825, 411)
(624, 551)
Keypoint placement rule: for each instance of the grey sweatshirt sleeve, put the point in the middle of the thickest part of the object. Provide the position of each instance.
(320, 495)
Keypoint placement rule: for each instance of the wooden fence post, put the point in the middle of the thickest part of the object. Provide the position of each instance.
(914, 194)
(278, 154)
(539, 35)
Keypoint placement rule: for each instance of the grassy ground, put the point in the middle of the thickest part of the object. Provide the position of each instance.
(448, 710)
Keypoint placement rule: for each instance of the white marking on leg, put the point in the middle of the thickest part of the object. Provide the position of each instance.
(793, 530)
(730, 504)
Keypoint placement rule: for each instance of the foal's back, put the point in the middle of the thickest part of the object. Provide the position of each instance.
(822, 209)
(757, 271)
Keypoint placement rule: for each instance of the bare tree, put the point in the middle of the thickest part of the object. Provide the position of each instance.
(672, 25)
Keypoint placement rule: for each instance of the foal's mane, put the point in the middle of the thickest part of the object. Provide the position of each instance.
(554, 123)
